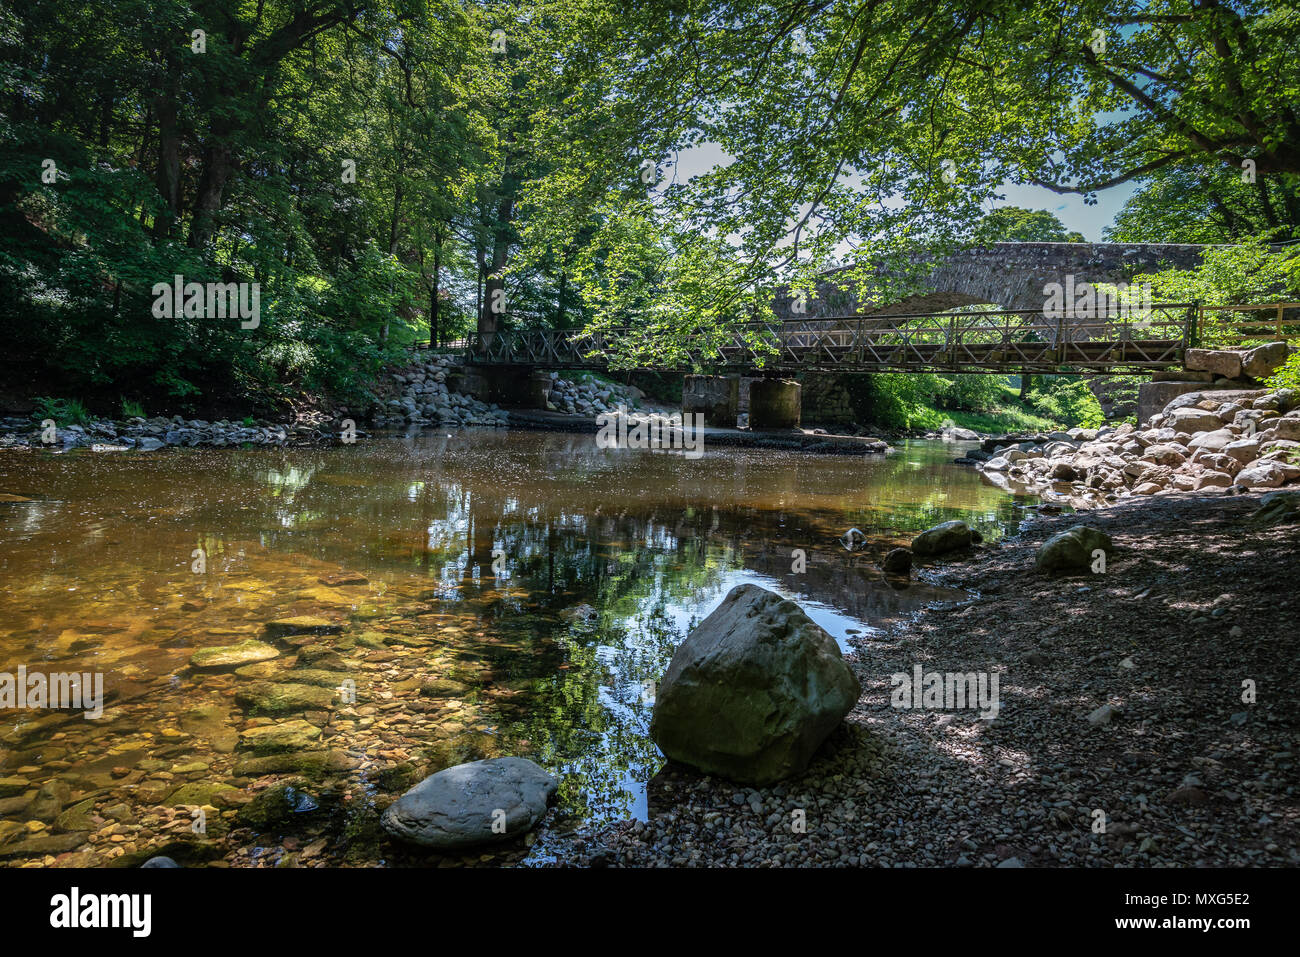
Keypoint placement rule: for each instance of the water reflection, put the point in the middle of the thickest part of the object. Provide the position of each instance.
(490, 593)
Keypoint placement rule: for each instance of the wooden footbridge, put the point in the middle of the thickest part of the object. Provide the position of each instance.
(1007, 341)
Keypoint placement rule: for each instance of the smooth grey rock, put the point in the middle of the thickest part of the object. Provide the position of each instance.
(947, 537)
(159, 862)
(1263, 361)
(898, 562)
(1102, 715)
(754, 690)
(471, 804)
(1072, 549)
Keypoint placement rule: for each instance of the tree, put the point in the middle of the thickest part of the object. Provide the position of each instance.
(1017, 225)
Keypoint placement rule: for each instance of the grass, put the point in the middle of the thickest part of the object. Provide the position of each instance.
(1008, 414)
(62, 411)
(1012, 418)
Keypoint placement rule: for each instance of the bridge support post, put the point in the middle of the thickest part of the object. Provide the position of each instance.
(774, 404)
(510, 386)
(718, 397)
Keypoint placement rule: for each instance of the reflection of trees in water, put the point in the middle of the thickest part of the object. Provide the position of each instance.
(636, 537)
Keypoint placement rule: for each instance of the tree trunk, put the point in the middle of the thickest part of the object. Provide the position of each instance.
(218, 166)
(433, 298)
(494, 292)
(168, 175)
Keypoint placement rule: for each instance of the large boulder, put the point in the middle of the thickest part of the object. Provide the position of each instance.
(1217, 361)
(754, 690)
(471, 804)
(1262, 361)
(1193, 420)
(1215, 441)
(1266, 473)
(946, 537)
(1072, 550)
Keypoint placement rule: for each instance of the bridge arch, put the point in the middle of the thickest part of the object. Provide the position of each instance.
(1008, 275)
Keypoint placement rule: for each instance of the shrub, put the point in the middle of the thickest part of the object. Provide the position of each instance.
(62, 411)
(1288, 376)
(1068, 400)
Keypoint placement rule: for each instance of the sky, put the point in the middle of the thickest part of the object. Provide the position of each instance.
(1070, 210)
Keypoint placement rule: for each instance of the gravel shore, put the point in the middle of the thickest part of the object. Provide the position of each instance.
(1196, 601)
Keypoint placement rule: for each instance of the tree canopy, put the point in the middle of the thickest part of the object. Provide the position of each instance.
(387, 170)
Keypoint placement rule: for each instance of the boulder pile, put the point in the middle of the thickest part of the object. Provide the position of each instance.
(424, 399)
(591, 396)
(159, 432)
(1201, 440)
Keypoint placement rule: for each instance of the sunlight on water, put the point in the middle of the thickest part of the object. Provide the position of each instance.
(485, 594)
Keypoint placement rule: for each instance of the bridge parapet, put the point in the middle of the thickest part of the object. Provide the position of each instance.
(1008, 341)
(1010, 275)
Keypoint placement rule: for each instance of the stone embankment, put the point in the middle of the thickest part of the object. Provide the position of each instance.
(1223, 439)
(423, 396)
(417, 395)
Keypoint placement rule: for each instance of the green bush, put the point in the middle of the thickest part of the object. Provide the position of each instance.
(972, 393)
(1288, 376)
(1068, 400)
(62, 411)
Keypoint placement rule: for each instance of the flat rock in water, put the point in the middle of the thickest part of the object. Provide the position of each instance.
(471, 804)
(233, 656)
(302, 625)
(295, 735)
(271, 698)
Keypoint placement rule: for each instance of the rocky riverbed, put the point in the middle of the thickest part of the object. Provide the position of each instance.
(1201, 440)
(1181, 771)
(416, 395)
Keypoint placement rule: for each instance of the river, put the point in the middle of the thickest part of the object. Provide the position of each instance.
(479, 594)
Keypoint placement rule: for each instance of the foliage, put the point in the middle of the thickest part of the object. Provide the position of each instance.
(1248, 273)
(1203, 203)
(971, 393)
(62, 411)
(392, 170)
(1016, 224)
(1288, 376)
(1068, 400)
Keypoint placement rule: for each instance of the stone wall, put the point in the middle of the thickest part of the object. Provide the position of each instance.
(1011, 275)
(826, 400)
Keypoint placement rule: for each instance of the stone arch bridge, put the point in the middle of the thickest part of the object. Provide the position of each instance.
(829, 334)
(1009, 275)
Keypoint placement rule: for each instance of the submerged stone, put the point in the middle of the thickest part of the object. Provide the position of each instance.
(233, 656)
(271, 698)
(302, 625)
(295, 735)
(471, 804)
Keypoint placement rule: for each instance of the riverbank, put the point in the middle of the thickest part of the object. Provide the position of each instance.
(1194, 602)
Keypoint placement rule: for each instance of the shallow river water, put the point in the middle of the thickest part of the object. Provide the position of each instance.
(428, 600)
